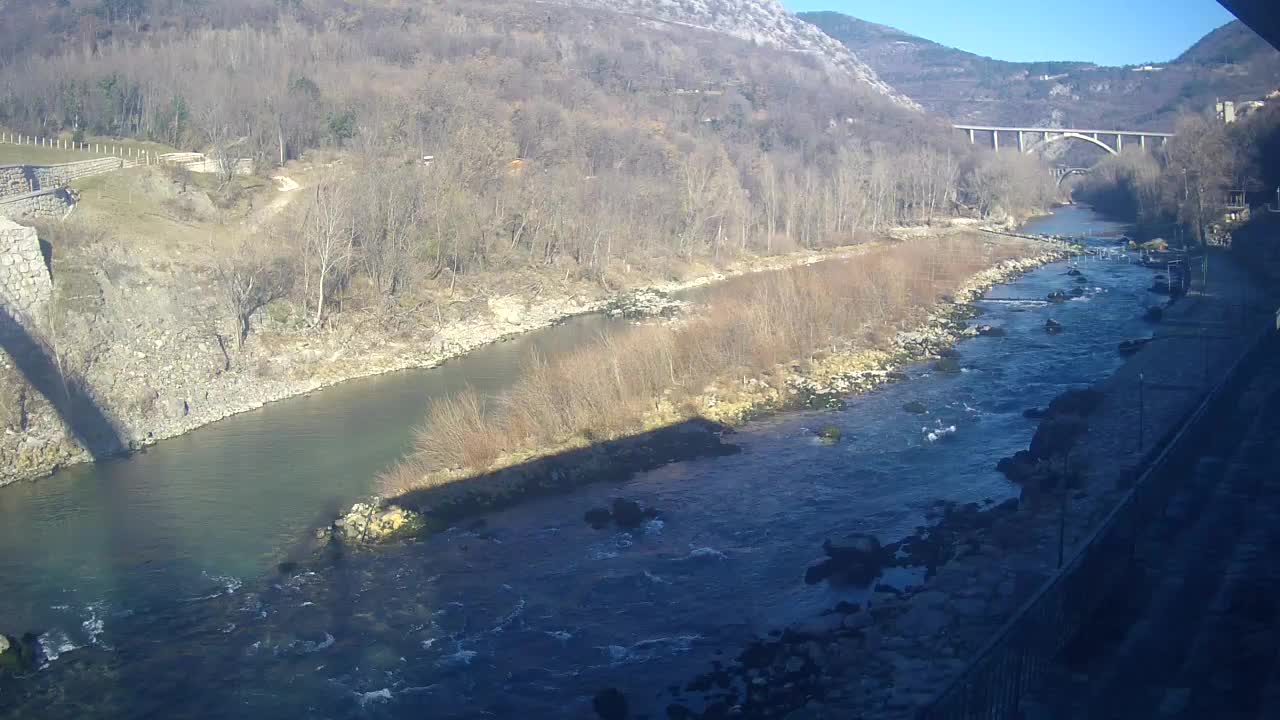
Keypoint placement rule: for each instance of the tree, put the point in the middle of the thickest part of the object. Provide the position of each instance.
(247, 279)
(328, 238)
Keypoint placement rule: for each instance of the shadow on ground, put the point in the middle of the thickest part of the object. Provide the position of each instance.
(70, 398)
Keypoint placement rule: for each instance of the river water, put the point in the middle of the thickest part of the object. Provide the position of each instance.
(151, 579)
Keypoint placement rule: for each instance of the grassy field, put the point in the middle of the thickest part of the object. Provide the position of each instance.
(11, 154)
(166, 212)
(33, 155)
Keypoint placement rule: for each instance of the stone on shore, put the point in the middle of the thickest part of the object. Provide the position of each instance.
(373, 522)
(856, 561)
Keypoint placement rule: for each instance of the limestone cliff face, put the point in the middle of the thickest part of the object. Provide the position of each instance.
(764, 22)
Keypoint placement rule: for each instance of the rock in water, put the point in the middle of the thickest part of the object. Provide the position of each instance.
(373, 522)
(989, 331)
(915, 407)
(628, 514)
(1053, 327)
(1057, 296)
(947, 365)
(856, 561)
(598, 518)
(610, 704)
(16, 656)
(829, 434)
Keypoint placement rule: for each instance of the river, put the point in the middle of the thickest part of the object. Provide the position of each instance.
(152, 580)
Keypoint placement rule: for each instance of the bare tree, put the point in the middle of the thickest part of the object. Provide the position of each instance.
(248, 279)
(328, 238)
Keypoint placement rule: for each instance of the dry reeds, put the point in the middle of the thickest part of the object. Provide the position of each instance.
(619, 382)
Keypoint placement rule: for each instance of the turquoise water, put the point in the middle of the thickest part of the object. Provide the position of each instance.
(151, 579)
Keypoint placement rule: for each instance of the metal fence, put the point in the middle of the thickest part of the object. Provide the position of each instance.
(993, 684)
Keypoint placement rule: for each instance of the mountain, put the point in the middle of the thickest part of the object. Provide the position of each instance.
(1231, 62)
(764, 22)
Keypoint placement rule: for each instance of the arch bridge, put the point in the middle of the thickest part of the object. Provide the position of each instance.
(1030, 139)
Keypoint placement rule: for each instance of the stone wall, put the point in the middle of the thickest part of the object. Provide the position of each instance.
(23, 179)
(25, 285)
(53, 203)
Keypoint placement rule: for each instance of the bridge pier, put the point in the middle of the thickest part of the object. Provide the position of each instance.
(1027, 136)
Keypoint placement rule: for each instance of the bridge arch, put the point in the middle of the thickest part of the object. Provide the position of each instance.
(1065, 173)
(1073, 136)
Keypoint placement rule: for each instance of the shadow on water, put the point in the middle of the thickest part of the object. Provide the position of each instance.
(614, 460)
(70, 398)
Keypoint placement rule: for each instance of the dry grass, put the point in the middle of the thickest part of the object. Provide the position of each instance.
(629, 380)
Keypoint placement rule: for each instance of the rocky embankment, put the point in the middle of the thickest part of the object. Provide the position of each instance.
(823, 382)
(154, 362)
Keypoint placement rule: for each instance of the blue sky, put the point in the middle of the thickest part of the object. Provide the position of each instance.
(1109, 32)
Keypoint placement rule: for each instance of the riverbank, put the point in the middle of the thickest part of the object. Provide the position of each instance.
(805, 371)
(891, 656)
(169, 378)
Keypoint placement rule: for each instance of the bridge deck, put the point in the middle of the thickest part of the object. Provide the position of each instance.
(994, 128)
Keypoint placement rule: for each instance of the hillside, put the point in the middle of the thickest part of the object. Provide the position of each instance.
(576, 151)
(1231, 62)
(763, 22)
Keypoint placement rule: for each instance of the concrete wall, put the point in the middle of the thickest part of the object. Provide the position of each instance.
(22, 179)
(200, 163)
(25, 286)
(53, 203)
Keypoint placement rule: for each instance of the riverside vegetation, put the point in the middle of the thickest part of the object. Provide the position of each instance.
(575, 153)
(791, 338)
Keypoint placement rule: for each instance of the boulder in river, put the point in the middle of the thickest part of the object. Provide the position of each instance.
(598, 518)
(1077, 292)
(947, 365)
(17, 656)
(915, 407)
(373, 522)
(610, 704)
(1075, 272)
(626, 514)
(1056, 297)
(829, 434)
(855, 561)
(1082, 402)
(1056, 435)
(1080, 279)
(989, 331)
(1053, 327)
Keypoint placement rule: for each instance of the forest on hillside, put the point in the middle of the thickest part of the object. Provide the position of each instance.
(562, 137)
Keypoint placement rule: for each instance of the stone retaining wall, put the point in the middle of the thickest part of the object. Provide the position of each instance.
(25, 285)
(52, 203)
(23, 179)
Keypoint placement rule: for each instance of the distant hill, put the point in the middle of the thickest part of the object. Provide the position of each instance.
(1231, 62)
(764, 22)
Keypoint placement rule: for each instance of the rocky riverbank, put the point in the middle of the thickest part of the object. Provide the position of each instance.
(166, 373)
(820, 382)
(892, 654)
